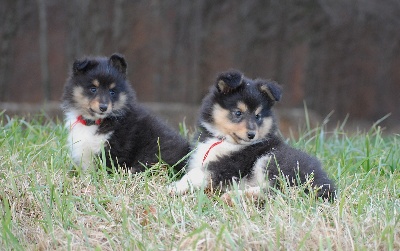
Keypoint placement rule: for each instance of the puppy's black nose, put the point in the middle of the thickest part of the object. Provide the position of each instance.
(103, 107)
(251, 135)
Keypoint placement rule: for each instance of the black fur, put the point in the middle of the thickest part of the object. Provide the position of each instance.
(292, 164)
(229, 81)
(135, 132)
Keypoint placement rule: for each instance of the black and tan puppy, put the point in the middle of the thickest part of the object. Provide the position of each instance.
(238, 142)
(101, 111)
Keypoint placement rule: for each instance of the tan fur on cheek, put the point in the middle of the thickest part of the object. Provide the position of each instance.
(94, 105)
(239, 130)
(265, 128)
(225, 125)
(121, 101)
(82, 101)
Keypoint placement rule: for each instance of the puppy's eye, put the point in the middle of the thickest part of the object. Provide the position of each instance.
(93, 89)
(238, 114)
(112, 92)
(258, 117)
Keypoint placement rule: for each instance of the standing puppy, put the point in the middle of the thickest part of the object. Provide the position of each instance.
(101, 112)
(238, 141)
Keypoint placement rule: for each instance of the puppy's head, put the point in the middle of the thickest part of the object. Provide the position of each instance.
(97, 87)
(239, 109)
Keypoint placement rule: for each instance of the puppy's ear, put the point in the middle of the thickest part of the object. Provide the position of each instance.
(229, 81)
(118, 61)
(81, 66)
(271, 89)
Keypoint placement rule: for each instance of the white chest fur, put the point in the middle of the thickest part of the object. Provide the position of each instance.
(197, 174)
(83, 141)
(199, 158)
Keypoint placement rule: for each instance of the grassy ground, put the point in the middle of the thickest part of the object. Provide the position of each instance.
(44, 207)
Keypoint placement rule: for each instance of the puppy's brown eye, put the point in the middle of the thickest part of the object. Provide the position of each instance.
(93, 89)
(258, 116)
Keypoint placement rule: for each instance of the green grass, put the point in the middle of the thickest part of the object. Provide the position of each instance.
(44, 207)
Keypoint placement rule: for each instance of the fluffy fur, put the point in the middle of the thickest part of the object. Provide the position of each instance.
(101, 112)
(238, 142)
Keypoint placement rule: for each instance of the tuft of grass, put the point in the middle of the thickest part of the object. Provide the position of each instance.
(43, 206)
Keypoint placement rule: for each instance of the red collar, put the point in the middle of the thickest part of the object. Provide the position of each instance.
(211, 147)
(86, 122)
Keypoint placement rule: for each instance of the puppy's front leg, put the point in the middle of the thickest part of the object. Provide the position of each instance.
(194, 179)
(252, 193)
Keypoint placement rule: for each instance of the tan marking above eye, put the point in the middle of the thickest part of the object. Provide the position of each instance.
(242, 106)
(258, 110)
(96, 82)
(113, 85)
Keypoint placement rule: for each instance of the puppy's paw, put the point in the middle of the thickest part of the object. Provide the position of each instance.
(178, 188)
(232, 197)
(252, 193)
(227, 198)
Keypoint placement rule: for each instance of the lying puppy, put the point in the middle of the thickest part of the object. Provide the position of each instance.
(238, 141)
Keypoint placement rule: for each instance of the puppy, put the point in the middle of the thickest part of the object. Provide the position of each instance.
(238, 142)
(101, 112)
